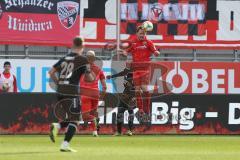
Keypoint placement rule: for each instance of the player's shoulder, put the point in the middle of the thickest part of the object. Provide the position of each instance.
(70, 56)
(133, 38)
(82, 59)
(148, 40)
(96, 67)
(75, 56)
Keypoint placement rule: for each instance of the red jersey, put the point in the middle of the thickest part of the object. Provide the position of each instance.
(99, 76)
(141, 50)
(10, 79)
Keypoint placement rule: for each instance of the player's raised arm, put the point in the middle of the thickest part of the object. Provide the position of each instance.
(120, 74)
(153, 48)
(103, 83)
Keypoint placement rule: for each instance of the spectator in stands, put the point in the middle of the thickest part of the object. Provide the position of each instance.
(8, 82)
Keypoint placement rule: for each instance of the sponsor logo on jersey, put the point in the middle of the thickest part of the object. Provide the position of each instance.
(141, 47)
(67, 13)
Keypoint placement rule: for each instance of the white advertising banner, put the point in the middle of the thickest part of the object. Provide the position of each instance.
(184, 77)
(32, 75)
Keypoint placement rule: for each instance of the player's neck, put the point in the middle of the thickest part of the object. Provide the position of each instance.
(141, 38)
(78, 51)
(6, 72)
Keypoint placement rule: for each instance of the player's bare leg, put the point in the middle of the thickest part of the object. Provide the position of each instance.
(95, 121)
(146, 103)
(54, 128)
(146, 99)
(88, 117)
(139, 99)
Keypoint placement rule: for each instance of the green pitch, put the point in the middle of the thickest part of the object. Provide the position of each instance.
(122, 148)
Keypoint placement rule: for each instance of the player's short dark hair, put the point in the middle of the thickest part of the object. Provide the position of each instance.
(78, 42)
(7, 63)
(139, 28)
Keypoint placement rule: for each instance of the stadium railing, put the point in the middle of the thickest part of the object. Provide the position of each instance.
(49, 52)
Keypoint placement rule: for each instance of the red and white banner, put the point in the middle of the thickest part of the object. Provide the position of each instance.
(198, 24)
(202, 77)
(39, 22)
(177, 24)
(188, 77)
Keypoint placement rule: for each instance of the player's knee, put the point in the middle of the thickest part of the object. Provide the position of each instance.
(120, 117)
(130, 111)
(131, 117)
(85, 116)
(138, 92)
(146, 93)
(144, 88)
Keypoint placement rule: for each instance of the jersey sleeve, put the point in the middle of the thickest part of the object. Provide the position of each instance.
(132, 39)
(129, 50)
(151, 46)
(14, 84)
(101, 76)
(122, 73)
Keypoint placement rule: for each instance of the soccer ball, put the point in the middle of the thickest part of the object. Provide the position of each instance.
(5, 86)
(148, 26)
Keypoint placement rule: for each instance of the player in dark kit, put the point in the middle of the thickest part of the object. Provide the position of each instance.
(127, 100)
(69, 70)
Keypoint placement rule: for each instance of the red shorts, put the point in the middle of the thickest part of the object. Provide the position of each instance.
(88, 104)
(141, 78)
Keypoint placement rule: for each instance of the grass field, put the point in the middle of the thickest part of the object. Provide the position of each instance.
(122, 148)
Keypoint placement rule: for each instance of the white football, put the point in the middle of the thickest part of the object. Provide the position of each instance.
(5, 86)
(148, 26)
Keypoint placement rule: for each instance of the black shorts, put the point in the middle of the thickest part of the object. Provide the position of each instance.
(127, 102)
(67, 108)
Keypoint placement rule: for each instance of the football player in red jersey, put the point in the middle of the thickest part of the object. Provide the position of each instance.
(141, 50)
(90, 94)
(8, 82)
